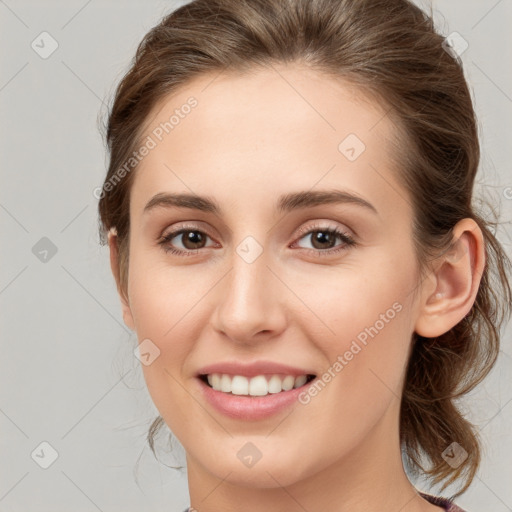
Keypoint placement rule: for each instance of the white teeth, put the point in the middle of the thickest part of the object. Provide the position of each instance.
(274, 384)
(255, 386)
(214, 381)
(300, 381)
(288, 382)
(225, 383)
(239, 385)
(258, 386)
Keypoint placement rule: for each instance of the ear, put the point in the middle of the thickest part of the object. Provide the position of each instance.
(114, 265)
(451, 291)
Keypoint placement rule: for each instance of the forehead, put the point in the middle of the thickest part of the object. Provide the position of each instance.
(260, 102)
(265, 130)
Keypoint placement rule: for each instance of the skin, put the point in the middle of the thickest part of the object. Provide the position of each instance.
(251, 138)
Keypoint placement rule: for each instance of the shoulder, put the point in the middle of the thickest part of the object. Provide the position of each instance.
(446, 503)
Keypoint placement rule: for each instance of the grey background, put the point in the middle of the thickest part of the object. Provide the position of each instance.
(68, 373)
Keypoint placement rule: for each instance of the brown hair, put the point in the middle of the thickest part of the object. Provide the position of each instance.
(389, 49)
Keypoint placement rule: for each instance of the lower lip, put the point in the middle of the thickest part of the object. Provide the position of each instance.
(250, 408)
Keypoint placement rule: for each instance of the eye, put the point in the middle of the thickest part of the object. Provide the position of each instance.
(323, 239)
(192, 239)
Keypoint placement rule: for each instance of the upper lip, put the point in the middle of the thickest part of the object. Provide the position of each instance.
(253, 369)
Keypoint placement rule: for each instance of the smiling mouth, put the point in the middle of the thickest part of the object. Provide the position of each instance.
(258, 386)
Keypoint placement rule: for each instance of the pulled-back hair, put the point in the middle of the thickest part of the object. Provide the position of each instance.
(390, 50)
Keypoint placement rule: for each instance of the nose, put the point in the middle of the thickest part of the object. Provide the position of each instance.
(250, 305)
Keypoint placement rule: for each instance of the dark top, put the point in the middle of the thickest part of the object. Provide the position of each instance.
(446, 503)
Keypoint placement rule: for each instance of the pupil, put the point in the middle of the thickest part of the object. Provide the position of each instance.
(194, 237)
(323, 237)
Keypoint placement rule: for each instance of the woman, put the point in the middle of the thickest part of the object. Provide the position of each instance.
(289, 216)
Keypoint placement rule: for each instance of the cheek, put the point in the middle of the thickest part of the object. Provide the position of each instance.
(369, 318)
(160, 295)
(360, 304)
(161, 302)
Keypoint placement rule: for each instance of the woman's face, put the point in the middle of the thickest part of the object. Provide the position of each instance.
(264, 279)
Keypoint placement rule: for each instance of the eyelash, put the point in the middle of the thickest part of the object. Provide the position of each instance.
(348, 241)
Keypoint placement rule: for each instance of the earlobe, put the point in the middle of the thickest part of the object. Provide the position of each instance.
(457, 278)
(114, 265)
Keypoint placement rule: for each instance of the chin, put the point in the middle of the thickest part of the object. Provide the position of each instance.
(270, 473)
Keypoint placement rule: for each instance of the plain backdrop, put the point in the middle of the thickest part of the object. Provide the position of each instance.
(72, 395)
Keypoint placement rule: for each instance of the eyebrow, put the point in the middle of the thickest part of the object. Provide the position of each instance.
(286, 202)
